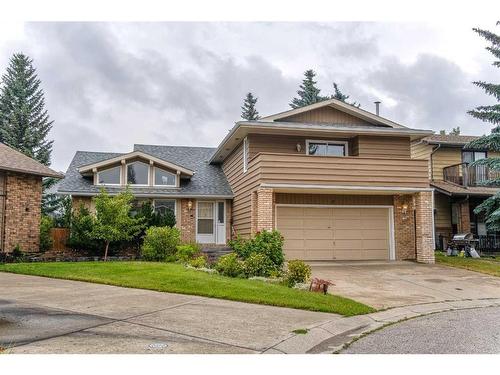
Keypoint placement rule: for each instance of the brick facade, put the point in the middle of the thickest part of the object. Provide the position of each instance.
(404, 226)
(23, 196)
(262, 210)
(424, 227)
(464, 217)
(187, 223)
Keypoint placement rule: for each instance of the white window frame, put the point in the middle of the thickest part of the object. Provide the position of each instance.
(161, 185)
(343, 143)
(105, 184)
(245, 154)
(165, 199)
(126, 173)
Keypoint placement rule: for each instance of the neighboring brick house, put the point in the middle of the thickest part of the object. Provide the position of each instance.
(458, 187)
(338, 182)
(20, 199)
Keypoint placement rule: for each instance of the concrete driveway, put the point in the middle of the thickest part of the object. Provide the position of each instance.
(393, 284)
(42, 315)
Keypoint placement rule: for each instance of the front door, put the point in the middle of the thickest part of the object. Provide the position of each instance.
(221, 223)
(205, 223)
(211, 222)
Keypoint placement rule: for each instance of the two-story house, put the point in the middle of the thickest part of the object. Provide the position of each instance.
(337, 181)
(458, 187)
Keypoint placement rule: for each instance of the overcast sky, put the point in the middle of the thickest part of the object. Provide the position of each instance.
(108, 86)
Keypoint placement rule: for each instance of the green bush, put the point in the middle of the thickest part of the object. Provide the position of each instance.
(297, 272)
(46, 224)
(269, 243)
(198, 262)
(187, 252)
(160, 243)
(82, 225)
(230, 265)
(258, 264)
(17, 253)
(153, 218)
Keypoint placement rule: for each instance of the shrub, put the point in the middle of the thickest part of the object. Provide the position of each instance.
(46, 224)
(187, 252)
(151, 218)
(297, 272)
(17, 254)
(269, 243)
(258, 264)
(82, 224)
(160, 243)
(230, 265)
(198, 262)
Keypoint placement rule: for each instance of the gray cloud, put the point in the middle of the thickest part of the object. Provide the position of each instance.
(109, 85)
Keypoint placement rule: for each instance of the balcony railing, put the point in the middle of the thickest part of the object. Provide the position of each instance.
(467, 175)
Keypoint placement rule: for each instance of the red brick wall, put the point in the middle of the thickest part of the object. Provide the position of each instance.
(404, 227)
(22, 212)
(187, 223)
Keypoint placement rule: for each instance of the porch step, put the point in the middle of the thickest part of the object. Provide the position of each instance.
(213, 253)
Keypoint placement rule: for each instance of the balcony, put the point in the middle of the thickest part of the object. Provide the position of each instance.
(466, 175)
(293, 169)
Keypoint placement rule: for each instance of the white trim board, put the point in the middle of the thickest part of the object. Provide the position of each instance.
(390, 210)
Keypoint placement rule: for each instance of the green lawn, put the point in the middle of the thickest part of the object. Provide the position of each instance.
(175, 278)
(490, 266)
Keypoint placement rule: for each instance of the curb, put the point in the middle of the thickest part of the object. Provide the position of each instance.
(336, 334)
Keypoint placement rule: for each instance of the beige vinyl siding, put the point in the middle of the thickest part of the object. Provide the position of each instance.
(421, 150)
(334, 199)
(444, 157)
(377, 147)
(326, 115)
(242, 185)
(365, 146)
(442, 219)
(347, 171)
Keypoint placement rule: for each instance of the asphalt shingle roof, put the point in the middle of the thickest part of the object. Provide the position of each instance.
(450, 139)
(208, 179)
(13, 160)
(454, 189)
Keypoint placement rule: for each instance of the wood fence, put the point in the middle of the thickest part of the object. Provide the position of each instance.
(59, 237)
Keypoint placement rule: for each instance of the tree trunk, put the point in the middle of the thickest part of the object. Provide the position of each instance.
(106, 251)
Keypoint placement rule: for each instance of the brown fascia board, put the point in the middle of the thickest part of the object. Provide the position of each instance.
(255, 126)
(33, 173)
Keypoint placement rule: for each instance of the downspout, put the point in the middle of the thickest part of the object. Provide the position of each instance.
(432, 160)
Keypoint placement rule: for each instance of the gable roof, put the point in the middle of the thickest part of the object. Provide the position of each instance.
(15, 161)
(339, 105)
(134, 154)
(449, 139)
(207, 181)
(371, 124)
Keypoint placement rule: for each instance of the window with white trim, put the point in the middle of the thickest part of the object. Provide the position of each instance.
(164, 178)
(327, 148)
(110, 176)
(245, 154)
(162, 205)
(138, 173)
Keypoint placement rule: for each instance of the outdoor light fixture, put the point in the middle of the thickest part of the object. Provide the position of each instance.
(190, 205)
(299, 147)
(404, 209)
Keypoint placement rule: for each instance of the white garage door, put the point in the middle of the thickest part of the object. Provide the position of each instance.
(336, 233)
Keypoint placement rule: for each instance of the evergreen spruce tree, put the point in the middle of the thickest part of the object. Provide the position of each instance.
(24, 122)
(339, 95)
(248, 110)
(490, 113)
(308, 93)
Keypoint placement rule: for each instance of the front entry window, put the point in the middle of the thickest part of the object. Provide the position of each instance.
(205, 218)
